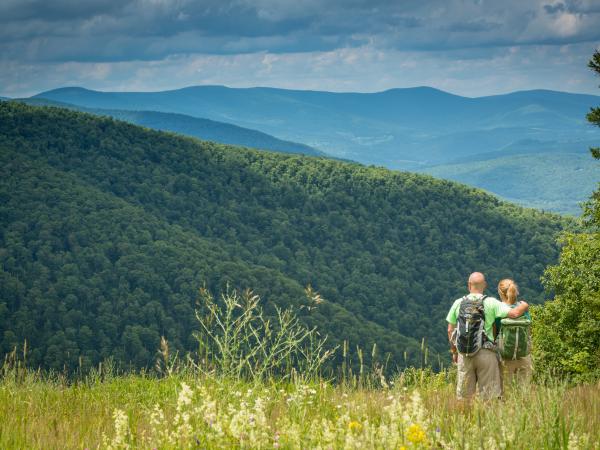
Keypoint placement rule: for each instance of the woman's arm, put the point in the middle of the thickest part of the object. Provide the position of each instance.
(518, 310)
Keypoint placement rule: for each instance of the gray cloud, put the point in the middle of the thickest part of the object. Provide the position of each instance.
(553, 9)
(103, 30)
(151, 44)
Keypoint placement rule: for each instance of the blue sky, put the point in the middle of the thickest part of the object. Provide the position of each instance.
(468, 47)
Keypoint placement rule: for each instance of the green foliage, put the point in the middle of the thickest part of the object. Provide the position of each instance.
(237, 340)
(108, 230)
(567, 329)
(566, 337)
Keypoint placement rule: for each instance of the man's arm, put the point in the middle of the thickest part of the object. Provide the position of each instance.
(450, 332)
(451, 318)
(518, 310)
(453, 349)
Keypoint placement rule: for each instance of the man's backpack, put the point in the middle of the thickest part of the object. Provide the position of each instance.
(469, 335)
(514, 340)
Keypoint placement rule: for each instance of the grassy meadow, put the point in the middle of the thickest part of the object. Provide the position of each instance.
(416, 409)
(259, 383)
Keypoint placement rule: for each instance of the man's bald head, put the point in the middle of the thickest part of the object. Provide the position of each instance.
(477, 283)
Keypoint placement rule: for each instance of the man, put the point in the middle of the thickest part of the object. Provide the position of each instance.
(482, 368)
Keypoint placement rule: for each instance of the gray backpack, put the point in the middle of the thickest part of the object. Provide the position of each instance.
(469, 335)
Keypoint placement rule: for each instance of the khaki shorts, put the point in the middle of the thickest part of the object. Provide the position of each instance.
(517, 370)
(481, 371)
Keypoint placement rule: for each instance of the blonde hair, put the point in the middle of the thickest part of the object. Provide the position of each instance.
(508, 291)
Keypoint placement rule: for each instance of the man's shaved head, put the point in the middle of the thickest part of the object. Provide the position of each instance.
(477, 282)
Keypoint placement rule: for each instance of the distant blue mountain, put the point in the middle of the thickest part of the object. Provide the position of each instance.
(205, 129)
(399, 128)
(413, 129)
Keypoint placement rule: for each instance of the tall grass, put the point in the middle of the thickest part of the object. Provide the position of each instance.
(245, 391)
(238, 340)
(186, 410)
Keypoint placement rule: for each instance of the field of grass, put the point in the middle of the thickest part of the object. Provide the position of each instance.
(258, 383)
(188, 410)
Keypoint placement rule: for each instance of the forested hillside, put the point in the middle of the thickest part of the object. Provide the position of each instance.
(419, 129)
(108, 230)
(205, 129)
(553, 182)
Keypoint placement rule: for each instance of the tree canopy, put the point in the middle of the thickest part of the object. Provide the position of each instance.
(108, 230)
(567, 329)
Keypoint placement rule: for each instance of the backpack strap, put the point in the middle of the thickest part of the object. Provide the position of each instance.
(485, 336)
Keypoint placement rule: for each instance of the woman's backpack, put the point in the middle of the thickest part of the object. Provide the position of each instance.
(514, 339)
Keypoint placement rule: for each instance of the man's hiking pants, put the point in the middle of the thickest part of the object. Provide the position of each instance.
(481, 371)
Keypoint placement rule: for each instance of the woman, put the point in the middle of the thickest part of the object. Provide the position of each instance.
(519, 369)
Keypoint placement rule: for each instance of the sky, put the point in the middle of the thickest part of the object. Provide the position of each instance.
(467, 47)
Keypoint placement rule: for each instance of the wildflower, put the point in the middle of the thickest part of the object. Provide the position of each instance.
(120, 438)
(185, 395)
(573, 441)
(276, 440)
(354, 426)
(415, 434)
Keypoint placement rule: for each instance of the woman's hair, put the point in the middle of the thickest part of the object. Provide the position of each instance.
(508, 290)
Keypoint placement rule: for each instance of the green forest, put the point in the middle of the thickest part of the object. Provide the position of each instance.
(109, 230)
(206, 129)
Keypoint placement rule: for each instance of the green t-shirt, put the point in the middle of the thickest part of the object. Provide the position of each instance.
(493, 309)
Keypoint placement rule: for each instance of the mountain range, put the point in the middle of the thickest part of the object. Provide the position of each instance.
(209, 130)
(417, 129)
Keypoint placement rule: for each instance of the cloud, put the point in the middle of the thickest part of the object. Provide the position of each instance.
(365, 68)
(553, 9)
(103, 30)
(363, 45)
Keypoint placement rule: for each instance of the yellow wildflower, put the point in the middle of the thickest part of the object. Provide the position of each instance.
(415, 434)
(355, 426)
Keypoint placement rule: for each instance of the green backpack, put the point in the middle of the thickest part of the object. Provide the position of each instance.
(514, 339)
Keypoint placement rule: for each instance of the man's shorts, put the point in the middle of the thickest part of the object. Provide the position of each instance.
(480, 371)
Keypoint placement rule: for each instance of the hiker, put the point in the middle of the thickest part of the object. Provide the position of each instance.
(470, 332)
(514, 342)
